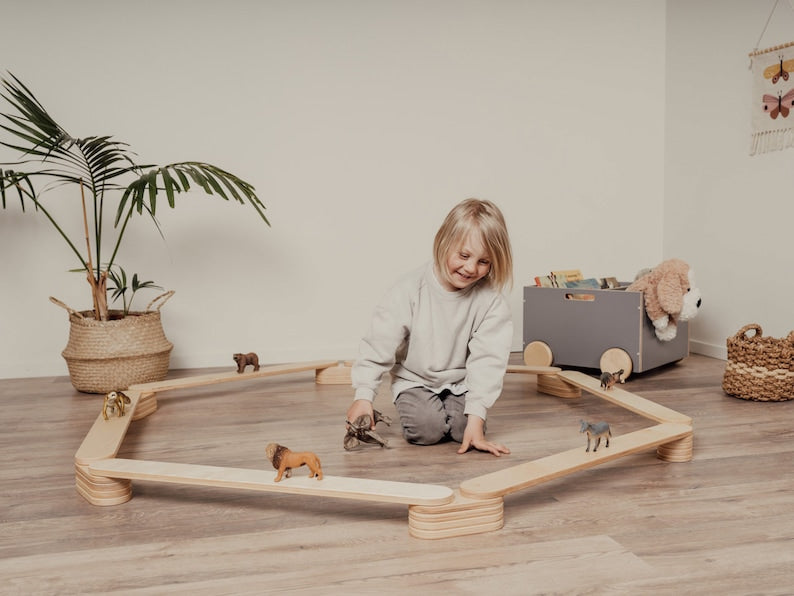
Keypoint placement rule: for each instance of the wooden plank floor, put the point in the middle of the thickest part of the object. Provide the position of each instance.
(722, 523)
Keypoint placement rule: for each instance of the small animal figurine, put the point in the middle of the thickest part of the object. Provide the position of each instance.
(595, 431)
(284, 460)
(115, 403)
(360, 431)
(244, 360)
(608, 379)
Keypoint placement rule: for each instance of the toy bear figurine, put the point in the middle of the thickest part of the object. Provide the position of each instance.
(244, 360)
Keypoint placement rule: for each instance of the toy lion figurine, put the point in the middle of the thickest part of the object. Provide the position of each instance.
(284, 460)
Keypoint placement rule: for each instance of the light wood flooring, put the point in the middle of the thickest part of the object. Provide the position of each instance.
(720, 524)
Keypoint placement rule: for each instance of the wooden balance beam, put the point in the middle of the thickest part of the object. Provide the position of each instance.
(624, 399)
(479, 502)
(105, 436)
(434, 511)
(532, 370)
(461, 517)
(510, 480)
(234, 376)
(361, 489)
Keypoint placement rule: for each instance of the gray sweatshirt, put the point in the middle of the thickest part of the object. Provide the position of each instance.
(441, 340)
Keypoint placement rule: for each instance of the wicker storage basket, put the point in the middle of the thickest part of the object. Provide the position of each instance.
(111, 355)
(759, 368)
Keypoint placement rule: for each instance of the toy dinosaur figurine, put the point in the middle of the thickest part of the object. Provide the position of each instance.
(608, 379)
(115, 403)
(595, 431)
(360, 431)
(283, 460)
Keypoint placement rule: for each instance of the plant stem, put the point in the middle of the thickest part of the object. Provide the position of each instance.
(99, 313)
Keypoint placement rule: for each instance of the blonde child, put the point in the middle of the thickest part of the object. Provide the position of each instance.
(444, 332)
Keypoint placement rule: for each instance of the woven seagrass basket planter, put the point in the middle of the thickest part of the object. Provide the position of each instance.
(111, 355)
(759, 368)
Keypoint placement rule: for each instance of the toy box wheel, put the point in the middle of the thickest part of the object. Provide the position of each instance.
(538, 353)
(614, 359)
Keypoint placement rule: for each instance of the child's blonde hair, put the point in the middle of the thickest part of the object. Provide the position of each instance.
(482, 216)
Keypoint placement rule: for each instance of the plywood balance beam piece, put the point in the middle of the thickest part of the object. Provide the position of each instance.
(509, 480)
(105, 436)
(229, 377)
(341, 374)
(461, 517)
(629, 401)
(532, 370)
(103, 441)
(434, 511)
(361, 489)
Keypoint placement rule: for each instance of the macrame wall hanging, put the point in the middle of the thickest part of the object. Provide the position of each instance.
(773, 95)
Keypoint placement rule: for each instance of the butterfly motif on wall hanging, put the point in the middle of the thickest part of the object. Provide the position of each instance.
(778, 104)
(779, 71)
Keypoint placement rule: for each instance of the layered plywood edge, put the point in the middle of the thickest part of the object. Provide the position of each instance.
(434, 511)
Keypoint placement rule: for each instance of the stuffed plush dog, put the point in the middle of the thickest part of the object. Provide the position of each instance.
(670, 296)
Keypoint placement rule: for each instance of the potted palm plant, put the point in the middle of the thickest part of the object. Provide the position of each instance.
(112, 190)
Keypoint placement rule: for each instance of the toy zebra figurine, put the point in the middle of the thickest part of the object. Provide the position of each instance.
(595, 431)
(608, 379)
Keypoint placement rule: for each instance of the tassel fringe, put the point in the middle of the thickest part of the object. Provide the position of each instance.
(771, 140)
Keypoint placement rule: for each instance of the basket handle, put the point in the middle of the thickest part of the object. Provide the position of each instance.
(165, 298)
(70, 310)
(752, 326)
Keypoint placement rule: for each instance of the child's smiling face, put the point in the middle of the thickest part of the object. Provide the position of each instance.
(467, 264)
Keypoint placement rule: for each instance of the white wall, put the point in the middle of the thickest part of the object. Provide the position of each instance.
(360, 123)
(730, 214)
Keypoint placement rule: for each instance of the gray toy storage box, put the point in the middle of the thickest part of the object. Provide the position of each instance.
(579, 331)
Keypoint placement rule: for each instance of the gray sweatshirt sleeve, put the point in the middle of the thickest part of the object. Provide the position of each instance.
(489, 351)
(378, 349)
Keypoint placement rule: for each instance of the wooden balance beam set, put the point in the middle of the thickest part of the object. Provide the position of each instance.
(434, 511)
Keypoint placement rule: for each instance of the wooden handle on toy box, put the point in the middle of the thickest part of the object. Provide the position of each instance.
(165, 298)
(752, 326)
(69, 309)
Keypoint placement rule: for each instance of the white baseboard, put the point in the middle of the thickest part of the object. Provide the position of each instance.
(707, 349)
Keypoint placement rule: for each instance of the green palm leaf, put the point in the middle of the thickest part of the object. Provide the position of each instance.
(141, 194)
(51, 158)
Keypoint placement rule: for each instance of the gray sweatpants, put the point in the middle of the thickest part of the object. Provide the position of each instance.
(428, 418)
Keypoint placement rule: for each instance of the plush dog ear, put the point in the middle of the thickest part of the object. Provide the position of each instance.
(647, 285)
(670, 292)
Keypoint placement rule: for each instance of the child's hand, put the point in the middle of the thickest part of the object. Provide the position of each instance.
(483, 445)
(359, 407)
(474, 436)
